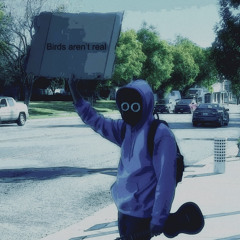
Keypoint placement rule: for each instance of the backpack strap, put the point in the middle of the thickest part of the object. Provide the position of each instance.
(150, 143)
(151, 134)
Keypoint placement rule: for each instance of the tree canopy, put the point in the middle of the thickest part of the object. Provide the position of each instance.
(226, 47)
(185, 67)
(129, 58)
(165, 66)
(158, 65)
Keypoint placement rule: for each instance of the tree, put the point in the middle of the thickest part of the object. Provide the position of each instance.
(3, 30)
(56, 83)
(208, 74)
(236, 91)
(5, 48)
(185, 68)
(21, 30)
(226, 47)
(158, 65)
(129, 58)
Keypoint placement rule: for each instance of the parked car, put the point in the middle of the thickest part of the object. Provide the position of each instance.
(187, 105)
(210, 113)
(165, 106)
(12, 111)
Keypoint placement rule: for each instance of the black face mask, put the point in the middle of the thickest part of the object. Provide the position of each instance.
(130, 105)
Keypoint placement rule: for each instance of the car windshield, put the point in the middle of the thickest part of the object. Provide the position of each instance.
(163, 101)
(193, 91)
(208, 106)
(185, 101)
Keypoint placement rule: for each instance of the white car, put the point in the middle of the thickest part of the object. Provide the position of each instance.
(12, 111)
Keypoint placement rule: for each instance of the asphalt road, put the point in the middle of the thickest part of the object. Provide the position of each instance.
(56, 172)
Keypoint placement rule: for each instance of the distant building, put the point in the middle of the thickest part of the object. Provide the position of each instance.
(222, 93)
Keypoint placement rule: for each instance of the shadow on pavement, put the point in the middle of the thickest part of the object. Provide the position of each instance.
(236, 237)
(103, 225)
(9, 125)
(224, 215)
(221, 214)
(38, 174)
(96, 235)
(201, 175)
(96, 228)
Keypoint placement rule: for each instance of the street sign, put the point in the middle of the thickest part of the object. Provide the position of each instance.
(81, 44)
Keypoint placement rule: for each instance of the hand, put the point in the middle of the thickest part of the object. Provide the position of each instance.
(72, 83)
(156, 229)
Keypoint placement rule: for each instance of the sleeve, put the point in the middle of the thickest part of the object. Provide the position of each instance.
(106, 127)
(164, 162)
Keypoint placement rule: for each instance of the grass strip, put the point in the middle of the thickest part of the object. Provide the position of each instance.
(46, 109)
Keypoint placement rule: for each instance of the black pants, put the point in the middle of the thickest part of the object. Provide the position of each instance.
(188, 219)
(131, 226)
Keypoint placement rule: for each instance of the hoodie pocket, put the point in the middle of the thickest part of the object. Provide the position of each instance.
(124, 194)
(127, 189)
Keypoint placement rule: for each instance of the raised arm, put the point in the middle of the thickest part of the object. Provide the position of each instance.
(106, 127)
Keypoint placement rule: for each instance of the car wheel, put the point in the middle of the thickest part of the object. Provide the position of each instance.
(194, 124)
(227, 121)
(220, 122)
(21, 119)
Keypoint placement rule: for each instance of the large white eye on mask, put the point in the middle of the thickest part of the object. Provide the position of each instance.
(130, 106)
(134, 107)
(131, 117)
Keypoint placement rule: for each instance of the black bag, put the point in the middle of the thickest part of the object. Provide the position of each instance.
(150, 144)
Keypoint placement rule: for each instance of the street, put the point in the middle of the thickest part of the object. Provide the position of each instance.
(55, 172)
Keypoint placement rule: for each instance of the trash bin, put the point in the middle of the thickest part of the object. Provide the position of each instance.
(219, 155)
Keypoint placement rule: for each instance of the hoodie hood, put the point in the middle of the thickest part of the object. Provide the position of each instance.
(146, 93)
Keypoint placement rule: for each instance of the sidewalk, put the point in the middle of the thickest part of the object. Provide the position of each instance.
(216, 194)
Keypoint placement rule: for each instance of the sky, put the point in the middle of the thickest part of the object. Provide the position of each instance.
(193, 19)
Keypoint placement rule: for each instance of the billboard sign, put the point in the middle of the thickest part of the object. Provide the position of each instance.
(81, 44)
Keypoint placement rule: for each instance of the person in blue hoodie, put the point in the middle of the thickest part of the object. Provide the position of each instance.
(145, 186)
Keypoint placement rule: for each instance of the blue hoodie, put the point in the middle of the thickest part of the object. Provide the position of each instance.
(145, 186)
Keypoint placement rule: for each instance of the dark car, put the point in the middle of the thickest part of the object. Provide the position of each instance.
(211, 114)
(185, 105)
